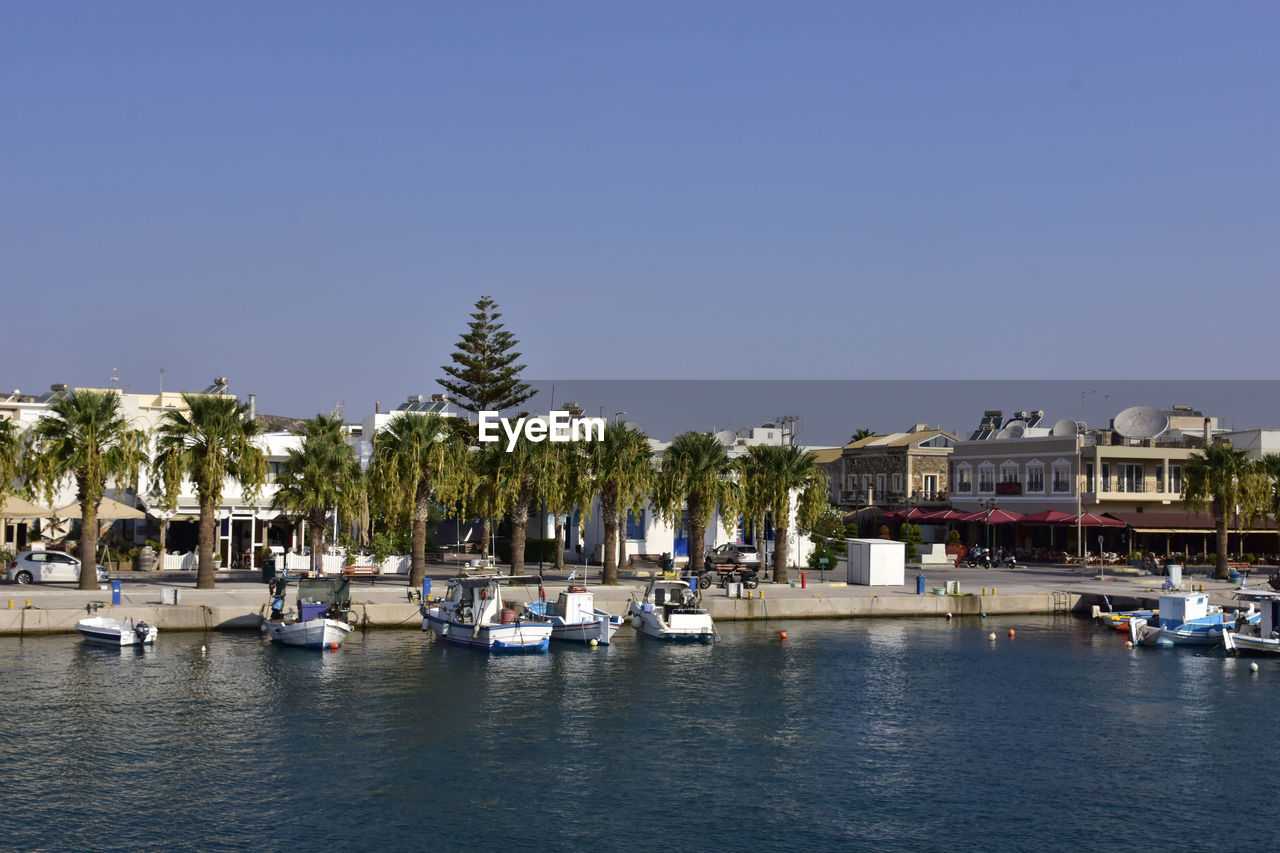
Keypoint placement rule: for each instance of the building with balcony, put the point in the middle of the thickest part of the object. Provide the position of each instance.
(888, 471)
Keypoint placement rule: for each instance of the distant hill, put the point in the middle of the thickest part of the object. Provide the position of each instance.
(279, 423)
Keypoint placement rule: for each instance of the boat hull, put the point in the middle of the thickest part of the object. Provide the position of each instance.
(1250, 644)
(679, 628)
(116, 632)
(512, 637)
(319, 633)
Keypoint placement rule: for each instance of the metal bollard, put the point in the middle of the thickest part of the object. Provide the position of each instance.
(804, 580)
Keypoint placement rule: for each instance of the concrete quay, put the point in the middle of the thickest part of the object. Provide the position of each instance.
(239, 602)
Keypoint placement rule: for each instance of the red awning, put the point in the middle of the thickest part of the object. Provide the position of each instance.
(1049, 516)
(995, 516)
(1088, 519)
(916, 514)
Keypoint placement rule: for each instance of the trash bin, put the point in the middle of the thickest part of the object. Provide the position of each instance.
(1175, 573)
(693, 583)
(115, 592)
(426, 589)
(268, 569)
(920, 579)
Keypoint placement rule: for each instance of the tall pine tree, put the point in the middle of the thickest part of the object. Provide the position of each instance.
(485, 375)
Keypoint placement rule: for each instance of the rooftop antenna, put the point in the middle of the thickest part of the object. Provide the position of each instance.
(114, 377)
(1084, 394)
(788, 424)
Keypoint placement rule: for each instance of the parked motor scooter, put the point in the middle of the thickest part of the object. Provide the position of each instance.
(1006, 559)
(978, 556)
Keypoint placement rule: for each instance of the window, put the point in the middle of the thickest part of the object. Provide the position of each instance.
(635, 526)
(1088, 477)
(897, 482)
(1175, 479)
(930, 486)
(1131, 477)
(964, 480)
(1061, 477)
(1009, 472)
(1035, 477)
(987, 479)
(880, 481)
(1106, 476)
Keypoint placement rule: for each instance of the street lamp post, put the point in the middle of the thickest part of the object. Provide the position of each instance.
(988, 504)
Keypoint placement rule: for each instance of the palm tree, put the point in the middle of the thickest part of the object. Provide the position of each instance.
(622, 474)
(515, 484)
(756, 500)
(563, 484)
(696, 473)
(771, 474)
(85, 436)
(418, 461)
(1270, 465)
(210, 442)
(10, 457)
(320, 475)
(1224, 481)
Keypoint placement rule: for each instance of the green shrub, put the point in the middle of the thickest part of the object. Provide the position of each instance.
(822, 552)
(953, 538)
(1248, 558)
(910, 533)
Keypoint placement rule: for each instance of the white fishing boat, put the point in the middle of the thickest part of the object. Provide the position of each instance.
(1263, 637)
(320, 620)
(1186, 619)
(474, 613)
(117, 632)
(574, 617)
(670, 610)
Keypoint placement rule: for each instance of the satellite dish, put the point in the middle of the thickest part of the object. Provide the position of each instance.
(1066, 426)
(1140, 422)
(1013, 429)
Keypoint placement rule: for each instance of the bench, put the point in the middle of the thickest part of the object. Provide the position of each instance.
(370, 572)
(646, 559)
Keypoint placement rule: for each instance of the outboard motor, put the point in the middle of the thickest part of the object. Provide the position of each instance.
(140, 631)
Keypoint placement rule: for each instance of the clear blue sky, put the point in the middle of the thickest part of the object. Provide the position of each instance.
(309, 197)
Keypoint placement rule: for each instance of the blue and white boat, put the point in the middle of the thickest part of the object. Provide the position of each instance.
(1186, 619)
(473, 613)
(574, 617)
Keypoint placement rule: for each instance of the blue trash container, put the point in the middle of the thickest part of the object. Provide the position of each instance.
(693, 583)
(115, 592)
(919, 584)
(426, 588)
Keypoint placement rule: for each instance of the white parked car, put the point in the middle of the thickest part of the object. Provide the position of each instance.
(45, 566)
(737, 553)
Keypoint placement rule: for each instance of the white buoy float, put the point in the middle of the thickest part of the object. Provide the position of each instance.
(992, 636)
(594, 642)
(1253, 667)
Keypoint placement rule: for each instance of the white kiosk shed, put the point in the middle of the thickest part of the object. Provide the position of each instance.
(877, 562)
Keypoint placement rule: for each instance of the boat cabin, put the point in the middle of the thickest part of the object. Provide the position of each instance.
(479, 600)
(1179, 607)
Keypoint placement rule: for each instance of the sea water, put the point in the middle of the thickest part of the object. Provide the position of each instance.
(848, 735)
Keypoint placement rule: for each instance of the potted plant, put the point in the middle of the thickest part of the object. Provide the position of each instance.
(264, 554)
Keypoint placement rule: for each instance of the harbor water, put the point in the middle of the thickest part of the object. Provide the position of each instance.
(849, 735)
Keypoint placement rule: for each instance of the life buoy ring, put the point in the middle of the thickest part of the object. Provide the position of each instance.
(484, 594)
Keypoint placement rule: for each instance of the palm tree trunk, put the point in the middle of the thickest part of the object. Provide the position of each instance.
(315, 535)
(88, 544)
(519, 535)
(486, 527)
(697, 535)
(1222, 571)
(421, 512)
(204, 548)
(609, 517)
(781, 527)
(559, 542)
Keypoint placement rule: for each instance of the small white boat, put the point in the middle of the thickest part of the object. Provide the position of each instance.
(474, 614)
(117, 632)
(1263, 637)
(316, 623)
(574, 617)
(670, 610)
(1186, 619)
